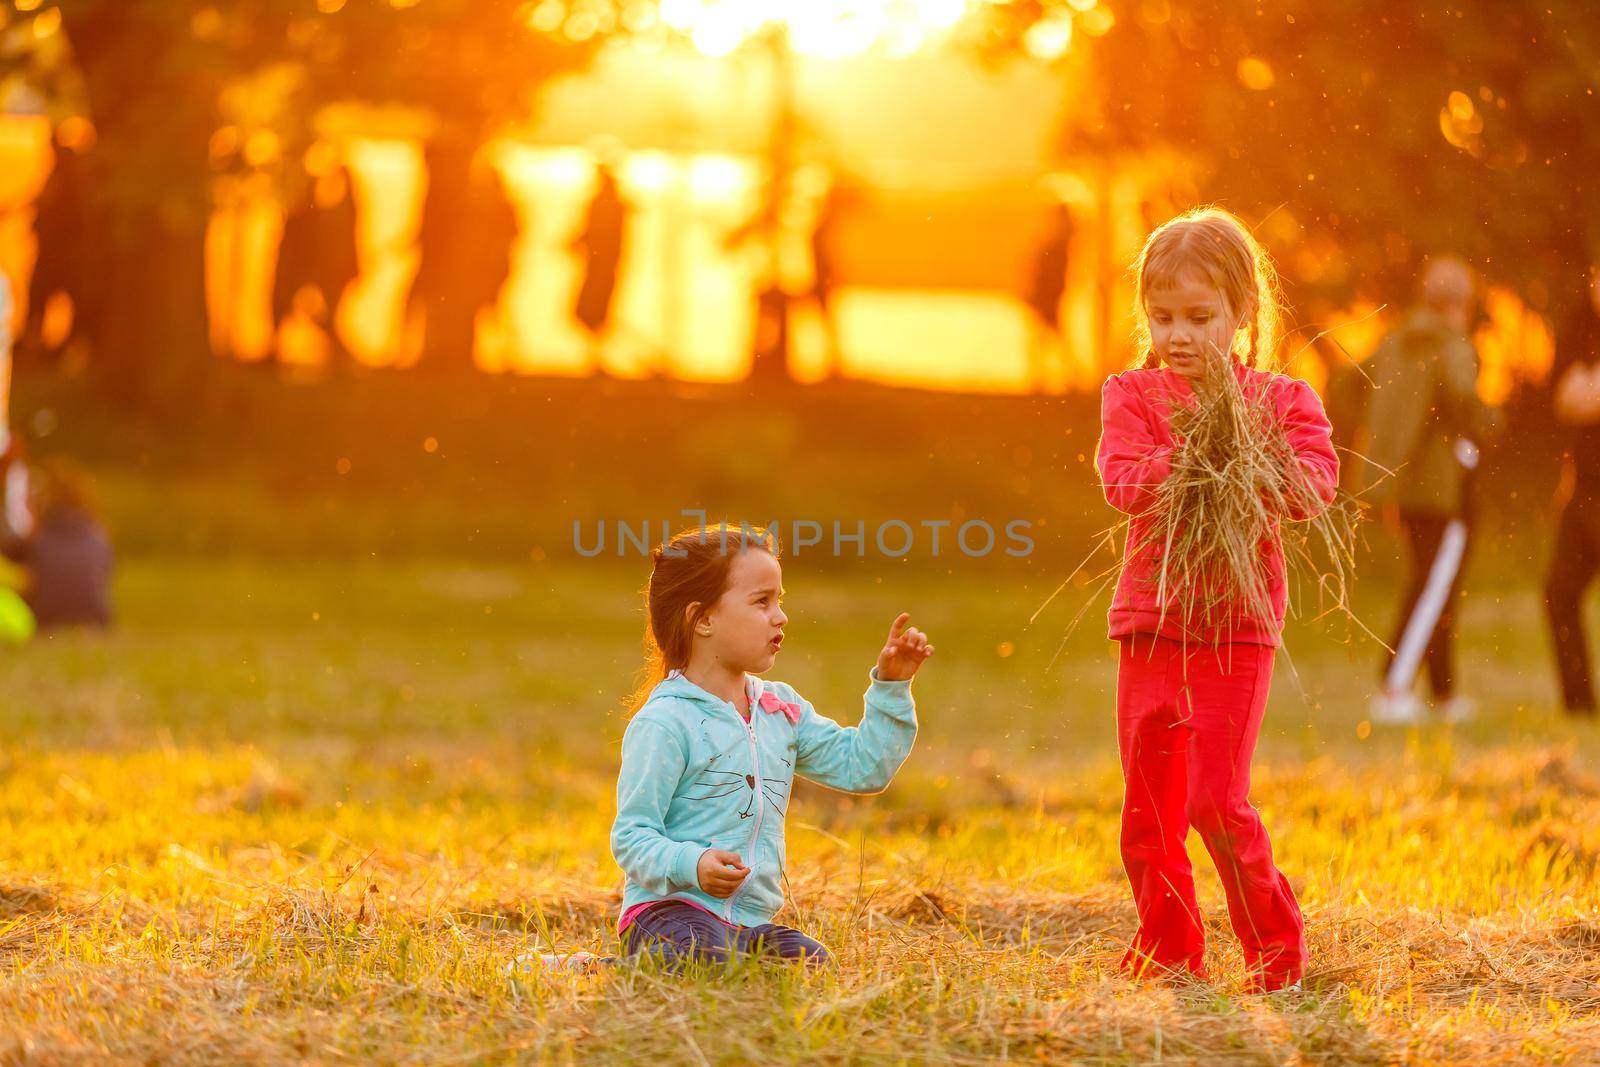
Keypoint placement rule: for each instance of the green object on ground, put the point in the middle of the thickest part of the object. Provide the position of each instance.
(16, 618)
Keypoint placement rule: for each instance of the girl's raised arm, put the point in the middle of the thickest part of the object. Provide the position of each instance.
(864, 758)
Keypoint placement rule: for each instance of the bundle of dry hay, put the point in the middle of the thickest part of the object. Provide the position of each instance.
(1231, 481)
(1234, 479)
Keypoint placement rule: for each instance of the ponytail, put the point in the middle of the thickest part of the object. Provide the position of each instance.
(691, 568)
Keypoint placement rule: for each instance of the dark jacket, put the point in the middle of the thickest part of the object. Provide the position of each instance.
(1423, 399)
(1578, 343)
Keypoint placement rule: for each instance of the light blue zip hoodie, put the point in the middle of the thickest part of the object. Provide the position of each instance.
(696, 776)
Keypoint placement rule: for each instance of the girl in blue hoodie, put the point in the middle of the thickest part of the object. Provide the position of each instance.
(712, 752)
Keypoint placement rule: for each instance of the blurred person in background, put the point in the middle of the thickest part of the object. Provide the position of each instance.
(1577, 548)
(1425, 425)
(68, 556)
(7, 312)
(16, 509)
(318, 252)
(1047, 285)
(762, 236)
(824, 242)
(66, 233)
(466, 238)
(16, 515)
(599, 245)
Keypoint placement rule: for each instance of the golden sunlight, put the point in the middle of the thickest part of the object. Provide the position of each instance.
(825, 28)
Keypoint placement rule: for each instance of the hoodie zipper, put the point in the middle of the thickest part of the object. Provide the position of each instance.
(755, 831)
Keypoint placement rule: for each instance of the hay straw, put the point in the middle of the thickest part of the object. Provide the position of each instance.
(1234, 481)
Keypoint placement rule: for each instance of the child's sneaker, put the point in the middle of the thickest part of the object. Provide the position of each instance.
(1397, 709)
(1458, 709)
(1139, 968)
(556, 963)
(1269, 983)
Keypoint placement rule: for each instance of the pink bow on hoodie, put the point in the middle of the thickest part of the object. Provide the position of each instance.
(770, 703)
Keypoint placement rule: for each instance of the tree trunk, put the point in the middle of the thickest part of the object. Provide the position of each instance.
(154, 111)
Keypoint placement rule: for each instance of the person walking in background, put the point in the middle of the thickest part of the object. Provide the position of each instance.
(1425, 426)
(466, 238)
(1047, 285)
(1577, 549)
(824, 242)
(762, 236)
(600, 245)
(65, 228)
(7, 311)
(319, 251)
(68, 557)
(16, 510)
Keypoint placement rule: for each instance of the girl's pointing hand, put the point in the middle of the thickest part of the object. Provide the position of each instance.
(904, 652)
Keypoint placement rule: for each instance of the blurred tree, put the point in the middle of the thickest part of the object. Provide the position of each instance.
(154, 78)
(1361, 135)
(64, 227)
(1358, 134)
(152, 73)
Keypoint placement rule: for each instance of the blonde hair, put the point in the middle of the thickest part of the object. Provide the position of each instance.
(1216, 246)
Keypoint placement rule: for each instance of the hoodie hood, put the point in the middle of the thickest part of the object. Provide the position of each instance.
(676, 684)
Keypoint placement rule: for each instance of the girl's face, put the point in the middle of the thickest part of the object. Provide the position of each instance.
(747, 622)
(1190, 321)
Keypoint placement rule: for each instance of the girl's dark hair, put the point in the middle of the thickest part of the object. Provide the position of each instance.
(691, 568)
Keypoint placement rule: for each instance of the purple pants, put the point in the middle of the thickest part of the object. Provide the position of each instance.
(679, 934)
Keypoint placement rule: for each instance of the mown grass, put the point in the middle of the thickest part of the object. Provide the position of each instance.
(308, 811)
(351, 750)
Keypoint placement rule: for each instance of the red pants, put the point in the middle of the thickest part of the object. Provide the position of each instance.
(1187, 722)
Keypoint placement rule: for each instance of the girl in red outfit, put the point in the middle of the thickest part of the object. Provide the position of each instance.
(1192, 688)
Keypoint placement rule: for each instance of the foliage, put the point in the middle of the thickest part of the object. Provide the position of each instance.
(1363, 134)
